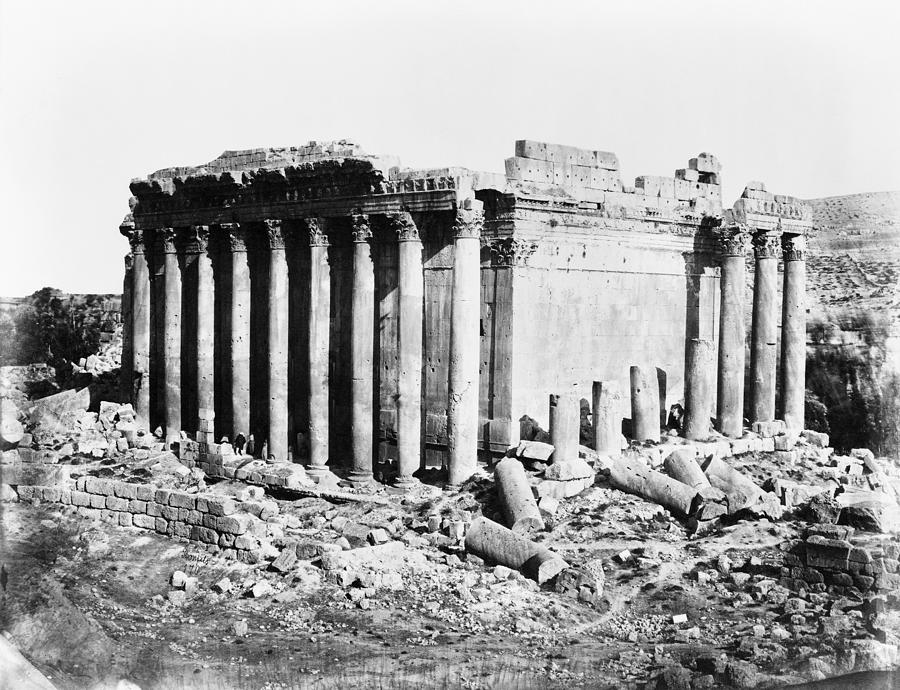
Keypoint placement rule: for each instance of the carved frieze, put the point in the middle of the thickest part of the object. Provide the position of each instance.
(402, 223)
(362, 231)
(766, 245)
(469, 223)
(793, 247)
(316, 228)
(511, 251)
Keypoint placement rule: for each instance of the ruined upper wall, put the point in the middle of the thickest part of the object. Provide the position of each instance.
(762, 210)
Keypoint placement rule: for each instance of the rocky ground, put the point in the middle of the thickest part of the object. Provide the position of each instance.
(376, 588)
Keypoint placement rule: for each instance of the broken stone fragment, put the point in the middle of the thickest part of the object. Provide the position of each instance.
(495, 543)
(286, 559)
(534, 450)
(178, 579)
(261, 589)
(223, 586)
(740, 491)
(682, 466)
(519, 506)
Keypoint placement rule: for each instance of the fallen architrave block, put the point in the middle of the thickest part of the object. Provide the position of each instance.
(682, 466)
(494, 542)
(637, 478)
(739, 491)
(519, 507)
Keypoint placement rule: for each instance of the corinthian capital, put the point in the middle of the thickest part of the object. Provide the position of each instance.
(362, 231)
(317, 234)
(135, 238)
(402, 223)
(274, 234)
(766, 245)
(198, 239)
(469, 222)
(235, 237)
(793, 247)
(511, 251)
(167, 238)
(734, 241)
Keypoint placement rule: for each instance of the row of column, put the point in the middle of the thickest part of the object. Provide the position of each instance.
(764, 330)
(462, 406)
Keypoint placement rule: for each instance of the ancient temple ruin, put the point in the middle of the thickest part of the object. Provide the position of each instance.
(343, 309)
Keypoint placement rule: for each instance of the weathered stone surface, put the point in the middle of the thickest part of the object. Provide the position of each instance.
(519, 506)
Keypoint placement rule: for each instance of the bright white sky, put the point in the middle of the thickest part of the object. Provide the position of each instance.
(802, 95)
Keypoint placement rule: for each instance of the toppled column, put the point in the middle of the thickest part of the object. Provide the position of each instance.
(682, 466)
(793, 333)
(698, 394)
(362, 316)
(607, 417)
(496, 543)
(277, 435)
(171, 336)
(519, 507)
(645, 422)
(465, 344)
(239, 365)
(636, 478)
(565, 426)
(319, 334)
(730, 385)
(139, 392)
(411, 287)
(740, 491)
(764, 331)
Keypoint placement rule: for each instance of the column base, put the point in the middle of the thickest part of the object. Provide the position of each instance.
(406, 482)
(358, 479)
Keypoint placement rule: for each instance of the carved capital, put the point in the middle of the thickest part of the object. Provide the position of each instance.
(168, 240)
(135, 239)
(766, 245)
(793, 247)
(129, 262)
(235, 237)
(511, 251)
(402, 223)
(362, 231)
(317, 234)
(469, 223)
(197, 239)
(274, 233)
(734, 241)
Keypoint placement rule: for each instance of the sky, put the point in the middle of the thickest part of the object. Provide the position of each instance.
(804, 96)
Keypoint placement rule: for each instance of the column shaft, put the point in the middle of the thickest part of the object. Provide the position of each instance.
(140, 331)
(126, 366)
(645, 417)
(698, 383)
(409, 382)
(606, 416)
(764, 332)
(732, 335)
(277, 435)
(793, 334)
(319, 328)
(172, 339)
(205, 331)
(465, 346)
(240, 333)
(565, 426)
(362, 316)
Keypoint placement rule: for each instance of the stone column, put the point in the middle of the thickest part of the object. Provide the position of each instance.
(465, 345)
(126, 366)
(240, 331)
(319, 328)
(698, 390)
(205, 327)
(645, 422)
(362, 317)
(764, 330)
(606, 414)
(140, 328)
(411, 285)
(793, 333)
(565, 426)
(171, 336)
(277, 435)
(732, 333)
